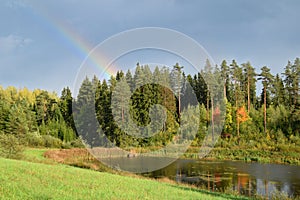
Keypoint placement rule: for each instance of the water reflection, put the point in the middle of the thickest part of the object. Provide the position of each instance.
(245, 178)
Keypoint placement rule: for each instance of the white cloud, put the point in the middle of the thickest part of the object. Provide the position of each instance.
(13, 4)
(10, 43)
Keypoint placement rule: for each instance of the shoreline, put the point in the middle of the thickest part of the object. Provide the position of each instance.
(248, 155)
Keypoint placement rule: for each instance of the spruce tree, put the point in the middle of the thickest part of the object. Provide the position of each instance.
(176, 84)
(279, 91)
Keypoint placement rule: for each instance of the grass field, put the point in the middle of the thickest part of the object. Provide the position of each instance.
(27, 180)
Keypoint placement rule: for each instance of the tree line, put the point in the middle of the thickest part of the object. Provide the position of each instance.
(272, 113)
(44, 118)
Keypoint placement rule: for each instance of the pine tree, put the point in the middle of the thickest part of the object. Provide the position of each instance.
(225, 73)
(289, 83)
(267, 79)
(237, 76)
(296, 100)
(250, 83)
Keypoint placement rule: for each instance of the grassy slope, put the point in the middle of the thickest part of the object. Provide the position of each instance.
(26, 180)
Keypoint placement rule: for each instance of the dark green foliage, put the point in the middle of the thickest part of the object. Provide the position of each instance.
(249, 84)
(65, 105)
(124, 104)
(199, 86)
(85, 116)
(279, 92)
(267, 79)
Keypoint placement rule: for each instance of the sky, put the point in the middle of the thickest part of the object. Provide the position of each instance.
(44, 43)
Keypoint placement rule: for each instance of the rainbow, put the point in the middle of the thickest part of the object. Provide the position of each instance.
(79, 44)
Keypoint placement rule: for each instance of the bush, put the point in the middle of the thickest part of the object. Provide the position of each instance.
(10, 146)
(34, 140)
(52, 142)
(66, 145)
(77, 143)
(295, 140)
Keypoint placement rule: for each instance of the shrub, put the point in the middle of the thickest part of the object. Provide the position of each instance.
(10, 146)
(66, 145)
(33, 140)
(77, 143)
(52, 142)
(295, 140)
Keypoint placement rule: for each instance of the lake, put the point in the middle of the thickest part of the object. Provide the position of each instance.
(244, 178)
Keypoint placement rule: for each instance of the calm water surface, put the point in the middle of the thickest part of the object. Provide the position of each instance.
(245, 178)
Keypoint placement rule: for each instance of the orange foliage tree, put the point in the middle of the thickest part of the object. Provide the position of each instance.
(242, 116)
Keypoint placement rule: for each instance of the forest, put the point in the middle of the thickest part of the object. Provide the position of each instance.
(265, 120)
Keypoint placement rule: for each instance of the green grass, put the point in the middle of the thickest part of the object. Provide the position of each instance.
(34, 154)
(27, 180)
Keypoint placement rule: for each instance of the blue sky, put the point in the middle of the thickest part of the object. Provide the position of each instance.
(36, 53)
